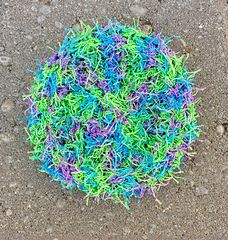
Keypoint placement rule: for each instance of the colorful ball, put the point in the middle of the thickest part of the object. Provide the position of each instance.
(112, 112)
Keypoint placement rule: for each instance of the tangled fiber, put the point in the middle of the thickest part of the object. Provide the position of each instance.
(112, 113)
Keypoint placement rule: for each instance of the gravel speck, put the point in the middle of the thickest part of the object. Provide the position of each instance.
(16, 129)
(54, 2)
(8, 212)
(5, 61)
(58, 25)
(7, 105)
(46, 2)
(29, 37)
(60, 203)
(29, 193)
(30, 185)
(138, 11)
(13, 184)
(152, 229)
(220, 129)
(40, 19)
(45, 10)
(220, 18)
(49, 229)
(224, 175)
(183, 42)
(26, 219)
(5, 138)
(126, 231)
(200, 191)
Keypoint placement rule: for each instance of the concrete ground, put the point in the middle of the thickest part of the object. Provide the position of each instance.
(33, 208)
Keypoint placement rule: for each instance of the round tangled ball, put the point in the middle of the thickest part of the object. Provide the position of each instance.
(112, 112)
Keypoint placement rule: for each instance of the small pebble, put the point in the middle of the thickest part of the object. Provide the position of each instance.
(60, 203)
(49, 230)
(9, 159)
(47, 2)
(2, 49)
(8, 212)
(7, 105)
(29, 193)
(220, 129)
(200, 191)
(30, 185)
(12, 185)
(126, 230)
(220, 18)
(34, 48)
(5, 138)
(54, 2)
(5, 61)
(58, 25)
(224, 175)
(40, 19)
(45, 10)
(26, 219)
(29, 37)
(138, 11)
(192, 183)
(210, 208)
(110, 214)
(16, 129)
(152, 229)
(183, 42)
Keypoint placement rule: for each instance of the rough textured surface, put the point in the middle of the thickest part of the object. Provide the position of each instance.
(33, 208)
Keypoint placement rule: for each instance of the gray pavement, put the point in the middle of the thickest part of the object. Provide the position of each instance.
(31, 207)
